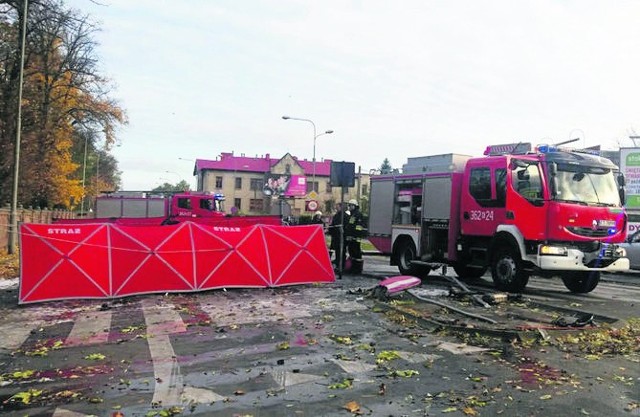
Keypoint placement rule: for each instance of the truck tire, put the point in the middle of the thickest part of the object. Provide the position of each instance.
(406, 253)
(469, 274)
(507, 271)
(581, 282)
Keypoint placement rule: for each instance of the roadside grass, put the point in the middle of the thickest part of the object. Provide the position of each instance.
(364, 244)
(367, 246)
(9, 265)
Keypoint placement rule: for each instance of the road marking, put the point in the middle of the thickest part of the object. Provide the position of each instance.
(354, 367)
(200, 395)
(166, 371)
(418, 357)
(162, 321)
(460, 348)
(90, 329)
(62, 412)
(286, 378)
(14, 335)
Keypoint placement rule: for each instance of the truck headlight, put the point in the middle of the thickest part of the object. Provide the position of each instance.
(553, 250)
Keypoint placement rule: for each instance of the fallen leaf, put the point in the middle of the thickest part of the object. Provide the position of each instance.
(546, 397)
(469, 411)
(25, 397)
(347, 383)
(352, 407)
(404, 374)
(283, 346)
(386, 356)
(95, 357)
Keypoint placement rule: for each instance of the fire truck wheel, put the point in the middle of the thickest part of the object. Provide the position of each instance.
(507, 272)
(467, 273)
(581, 282)
(406, 253)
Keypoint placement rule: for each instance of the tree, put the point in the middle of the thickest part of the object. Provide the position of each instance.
(166, 187)
(386, 168)
(69, 121)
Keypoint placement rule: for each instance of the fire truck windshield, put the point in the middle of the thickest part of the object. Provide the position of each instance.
(586, 185)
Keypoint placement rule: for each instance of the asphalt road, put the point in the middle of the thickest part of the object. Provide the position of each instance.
(326, 350)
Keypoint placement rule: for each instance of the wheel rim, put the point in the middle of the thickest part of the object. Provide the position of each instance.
(506, 269)
(405, 258)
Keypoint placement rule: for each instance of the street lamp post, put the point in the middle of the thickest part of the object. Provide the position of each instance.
(315, 136)
(13, 227)
(84, 174)
(175, 173)
(191, 160)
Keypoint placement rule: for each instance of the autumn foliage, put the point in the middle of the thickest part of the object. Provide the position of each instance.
(68, 120)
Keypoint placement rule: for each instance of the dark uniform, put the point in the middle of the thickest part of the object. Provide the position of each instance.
(336, 232)
(354, 230)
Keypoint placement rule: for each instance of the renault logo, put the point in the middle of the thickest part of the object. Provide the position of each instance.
(594, 225)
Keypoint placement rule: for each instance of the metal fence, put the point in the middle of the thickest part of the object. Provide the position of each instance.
(28, 216)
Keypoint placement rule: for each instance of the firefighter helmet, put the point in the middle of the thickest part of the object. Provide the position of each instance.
(354, 202)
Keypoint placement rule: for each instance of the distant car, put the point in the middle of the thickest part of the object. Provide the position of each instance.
(632, 246)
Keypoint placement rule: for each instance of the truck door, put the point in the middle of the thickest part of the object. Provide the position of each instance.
(484, 200)
(183, 206)
(526, 198)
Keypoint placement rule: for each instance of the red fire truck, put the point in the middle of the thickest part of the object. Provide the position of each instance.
(146, 205)
(155, 209)
(516, 211)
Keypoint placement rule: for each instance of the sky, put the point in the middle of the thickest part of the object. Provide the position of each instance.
(392, 79)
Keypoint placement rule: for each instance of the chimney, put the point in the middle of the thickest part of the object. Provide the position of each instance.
(267, 156)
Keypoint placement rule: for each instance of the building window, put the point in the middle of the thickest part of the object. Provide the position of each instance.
(364, 189)
(311, 185)
(256, 184)
(238, 183)
(237, 203)
(328, 186)
(256, 204)
(218, 182)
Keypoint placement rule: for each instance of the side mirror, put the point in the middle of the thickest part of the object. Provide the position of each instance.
(517, 163)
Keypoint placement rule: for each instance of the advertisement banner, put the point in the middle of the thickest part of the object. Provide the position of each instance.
(285, 185)
(630, 167)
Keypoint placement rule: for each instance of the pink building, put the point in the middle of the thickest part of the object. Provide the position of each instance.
(248, 184)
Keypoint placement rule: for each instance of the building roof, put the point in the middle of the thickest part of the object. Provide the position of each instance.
(229, 162)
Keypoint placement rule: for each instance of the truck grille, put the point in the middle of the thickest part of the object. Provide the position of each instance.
(589, 232)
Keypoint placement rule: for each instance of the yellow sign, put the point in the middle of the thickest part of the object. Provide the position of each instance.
(312, 195)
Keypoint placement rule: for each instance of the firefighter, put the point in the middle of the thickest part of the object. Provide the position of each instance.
(317, 218)
(354, 230)
(336, 231)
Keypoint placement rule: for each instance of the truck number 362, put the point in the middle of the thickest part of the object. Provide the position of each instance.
(481, 215)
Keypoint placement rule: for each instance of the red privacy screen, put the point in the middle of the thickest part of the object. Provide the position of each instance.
(105, 260)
